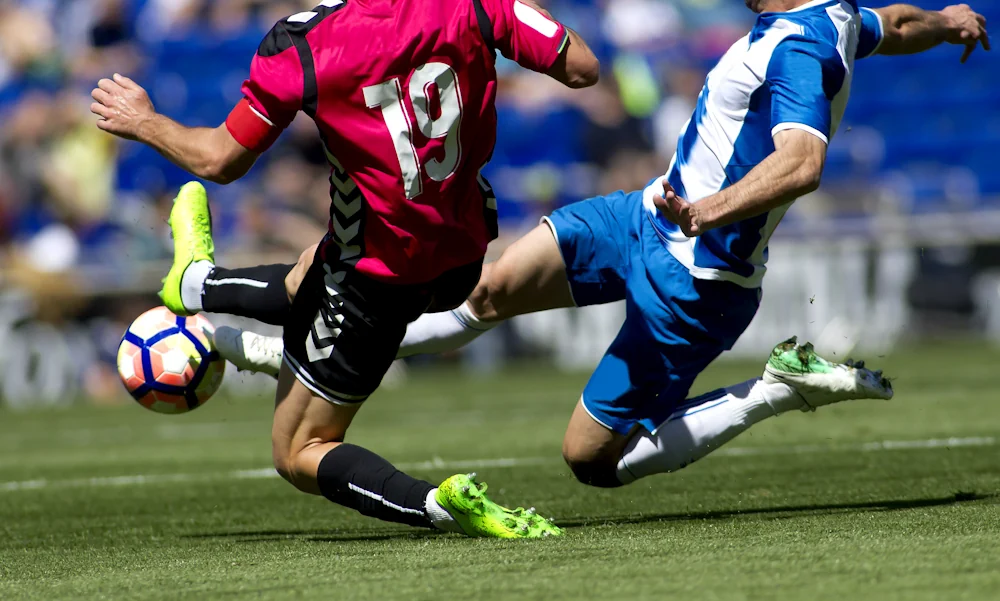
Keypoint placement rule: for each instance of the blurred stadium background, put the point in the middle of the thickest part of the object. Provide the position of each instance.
(901, 244)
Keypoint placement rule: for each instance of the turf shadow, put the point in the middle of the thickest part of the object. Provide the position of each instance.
(263, 536)
(783, 512)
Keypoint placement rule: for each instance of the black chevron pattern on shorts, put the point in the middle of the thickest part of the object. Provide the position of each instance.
(328, 323)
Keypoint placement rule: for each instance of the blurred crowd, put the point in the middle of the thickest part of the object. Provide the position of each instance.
(72, 196)
(83, 216)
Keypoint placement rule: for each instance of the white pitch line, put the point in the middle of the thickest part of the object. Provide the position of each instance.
(867, 447)
(437, 463)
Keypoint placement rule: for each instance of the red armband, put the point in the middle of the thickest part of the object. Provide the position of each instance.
(252, 130)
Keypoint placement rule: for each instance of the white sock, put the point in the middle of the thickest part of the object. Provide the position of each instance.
(694, 433)
(434, 333)
(193, 283)
(441, 519)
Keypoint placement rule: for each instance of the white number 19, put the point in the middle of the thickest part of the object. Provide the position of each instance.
(388, 96)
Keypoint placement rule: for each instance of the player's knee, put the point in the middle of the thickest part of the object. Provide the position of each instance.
(499, 292)
(479, 301)
(306, 258)
(286, 462)
(289, 466)
(283, 464)
(591, 469)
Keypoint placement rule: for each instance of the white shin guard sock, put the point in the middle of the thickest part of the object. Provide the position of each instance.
(439, 516)
(694, 433)
(435, 333)
(193, 283)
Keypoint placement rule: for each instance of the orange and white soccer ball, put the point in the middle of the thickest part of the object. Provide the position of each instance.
(169, 363)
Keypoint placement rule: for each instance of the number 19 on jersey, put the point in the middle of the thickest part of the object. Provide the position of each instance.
(388, 96)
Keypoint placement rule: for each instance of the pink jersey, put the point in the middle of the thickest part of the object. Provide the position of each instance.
(403, 93)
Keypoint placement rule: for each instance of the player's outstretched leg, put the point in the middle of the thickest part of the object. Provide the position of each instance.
(195, 283)
(308, 452)
(795, 378)
(529, 276)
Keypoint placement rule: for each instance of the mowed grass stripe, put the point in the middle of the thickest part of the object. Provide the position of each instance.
(433, 464)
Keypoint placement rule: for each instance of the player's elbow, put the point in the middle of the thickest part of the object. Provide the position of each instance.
(576, 67)
(585, 73)
(809, 174)
(222, 170)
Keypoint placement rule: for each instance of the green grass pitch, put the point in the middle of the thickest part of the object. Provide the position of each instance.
(120, 503)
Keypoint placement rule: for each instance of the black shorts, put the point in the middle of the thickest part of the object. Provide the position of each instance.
(345, 328)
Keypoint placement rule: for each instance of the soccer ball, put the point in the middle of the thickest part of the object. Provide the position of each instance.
(168, 363)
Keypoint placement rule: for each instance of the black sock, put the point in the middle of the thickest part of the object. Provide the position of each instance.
(256, 292)
(357, 478)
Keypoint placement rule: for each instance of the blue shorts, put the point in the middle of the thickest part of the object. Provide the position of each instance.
(675, 325)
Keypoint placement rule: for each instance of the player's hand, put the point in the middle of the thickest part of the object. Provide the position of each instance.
(966, 28)
(122, 105)
(678, 211)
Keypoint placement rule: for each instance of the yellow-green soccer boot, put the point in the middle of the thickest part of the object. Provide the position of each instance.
(466, 501)
(191, 226)
(821, 382)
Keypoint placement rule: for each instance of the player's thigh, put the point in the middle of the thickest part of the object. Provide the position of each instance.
(294, 278)
(304, 425)
(344, 330)
(529, 276)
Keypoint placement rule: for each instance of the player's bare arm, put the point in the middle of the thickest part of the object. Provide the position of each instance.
(576, 67)
(793, 170)
(909, 30)
(126, 111)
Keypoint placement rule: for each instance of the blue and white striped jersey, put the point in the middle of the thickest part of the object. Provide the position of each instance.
(793, 70)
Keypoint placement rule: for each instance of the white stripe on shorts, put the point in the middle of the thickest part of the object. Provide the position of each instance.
(325, 393)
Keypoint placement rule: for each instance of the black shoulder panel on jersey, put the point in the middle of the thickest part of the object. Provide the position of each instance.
(275, 42)
(291, 32)
(485, 25)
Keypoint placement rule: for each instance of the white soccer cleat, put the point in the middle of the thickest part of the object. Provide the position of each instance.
(249, 351)
(821, 382)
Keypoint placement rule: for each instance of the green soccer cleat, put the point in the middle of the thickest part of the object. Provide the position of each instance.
(821, 382)
(466, 501)
(191, 227)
